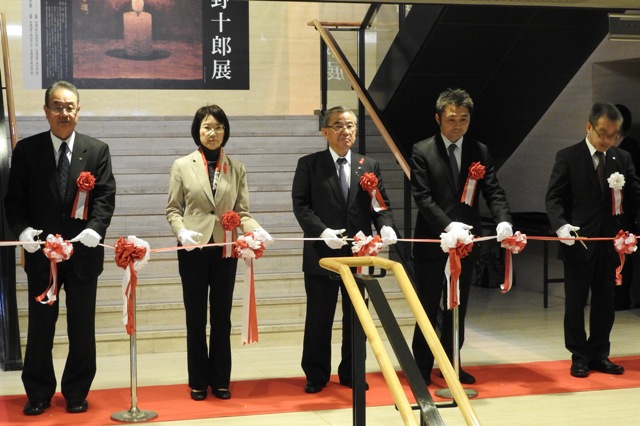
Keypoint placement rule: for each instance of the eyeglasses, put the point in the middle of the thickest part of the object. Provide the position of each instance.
(602, 136)
(217, 129)
(341, 127)
(59, 109)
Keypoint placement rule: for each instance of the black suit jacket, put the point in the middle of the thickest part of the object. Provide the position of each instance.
(437, 198)
(33, 198)
(574, 197)
(318, 204)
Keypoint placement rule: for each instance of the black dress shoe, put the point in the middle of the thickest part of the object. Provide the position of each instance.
(314, 387)
(35, 408)
(198, 395)
(579, 369)
(464, 377)
(606, 366)
(222, 393)
(349, 384)
(77, 406)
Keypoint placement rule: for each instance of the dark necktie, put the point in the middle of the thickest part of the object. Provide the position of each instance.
(63, 169)
(342, 177)
(454, 164)
(600, 170)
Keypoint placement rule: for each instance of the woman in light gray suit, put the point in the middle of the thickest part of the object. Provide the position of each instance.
(205, 185)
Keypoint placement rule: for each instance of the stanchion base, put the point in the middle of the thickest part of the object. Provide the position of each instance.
(446, 393)
(133, 416)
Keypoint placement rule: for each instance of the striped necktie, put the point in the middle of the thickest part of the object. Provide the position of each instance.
(63, 169)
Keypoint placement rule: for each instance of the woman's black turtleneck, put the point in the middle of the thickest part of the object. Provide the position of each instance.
(210, 155)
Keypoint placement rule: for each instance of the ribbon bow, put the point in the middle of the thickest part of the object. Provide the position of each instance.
(57, 250)
(624, 243)
(366, 245)
(249, 246)
(514, 244)
(131, 254)
(458, 243)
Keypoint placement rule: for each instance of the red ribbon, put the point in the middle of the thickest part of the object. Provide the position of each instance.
(456, 253)
(624, 243)
(514, 244)
(126, 254)
(616, 202)
(86, 182)
(369, 182)
(57, 250)
(249, 248)
(476, 172)
(230, 221)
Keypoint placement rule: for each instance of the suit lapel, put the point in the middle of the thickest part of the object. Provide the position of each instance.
(223, 180)
(200, 171)
(332, 174)
(358, 168)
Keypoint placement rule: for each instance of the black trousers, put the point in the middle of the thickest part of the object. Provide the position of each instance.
(430, 283)
(208, 278)
(322, 298)
(38, 375)
(598, 277)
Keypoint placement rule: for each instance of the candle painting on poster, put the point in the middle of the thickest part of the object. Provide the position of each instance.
(137, 44)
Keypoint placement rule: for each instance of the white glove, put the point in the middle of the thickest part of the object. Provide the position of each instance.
(88, 237)
(504, 230)
(29, 235)
(189, 238)
(454, 225)
(264, 236)
(331, 238)
(388, 236)
(565, 232)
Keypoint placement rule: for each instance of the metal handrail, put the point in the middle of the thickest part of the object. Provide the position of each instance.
(342, 265)
(361, 92)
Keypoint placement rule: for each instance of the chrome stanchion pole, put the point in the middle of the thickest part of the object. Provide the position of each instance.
(446, 392)
(134, 415)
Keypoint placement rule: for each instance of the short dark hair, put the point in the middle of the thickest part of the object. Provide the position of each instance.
(60, 84)
(455, 97)
(339, 110)
(604, 109)
(214, 111)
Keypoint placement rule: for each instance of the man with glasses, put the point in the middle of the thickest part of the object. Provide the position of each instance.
(580, 197)
(41, 198)
(330, 204)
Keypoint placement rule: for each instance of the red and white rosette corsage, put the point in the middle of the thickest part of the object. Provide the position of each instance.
(476, 172)
(230, 222)
(616, 183)
(131, 255)
(513, 244)
(249, 246)
(624, 243)
(369, 182)
(458, 243)
(86, 182)
(57, 250)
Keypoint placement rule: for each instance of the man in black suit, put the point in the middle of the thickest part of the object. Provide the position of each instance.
(324, 210)
(36, 203)
(579, 198)
(438, 179)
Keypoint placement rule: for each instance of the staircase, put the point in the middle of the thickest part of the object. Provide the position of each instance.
(143, 150)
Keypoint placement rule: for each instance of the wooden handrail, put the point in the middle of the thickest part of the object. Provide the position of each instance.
(341, 266)
(8, 81)
(362, 94)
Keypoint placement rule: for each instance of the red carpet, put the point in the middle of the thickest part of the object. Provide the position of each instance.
(286, 395)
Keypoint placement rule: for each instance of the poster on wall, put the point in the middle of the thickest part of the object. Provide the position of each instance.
(137, 44)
